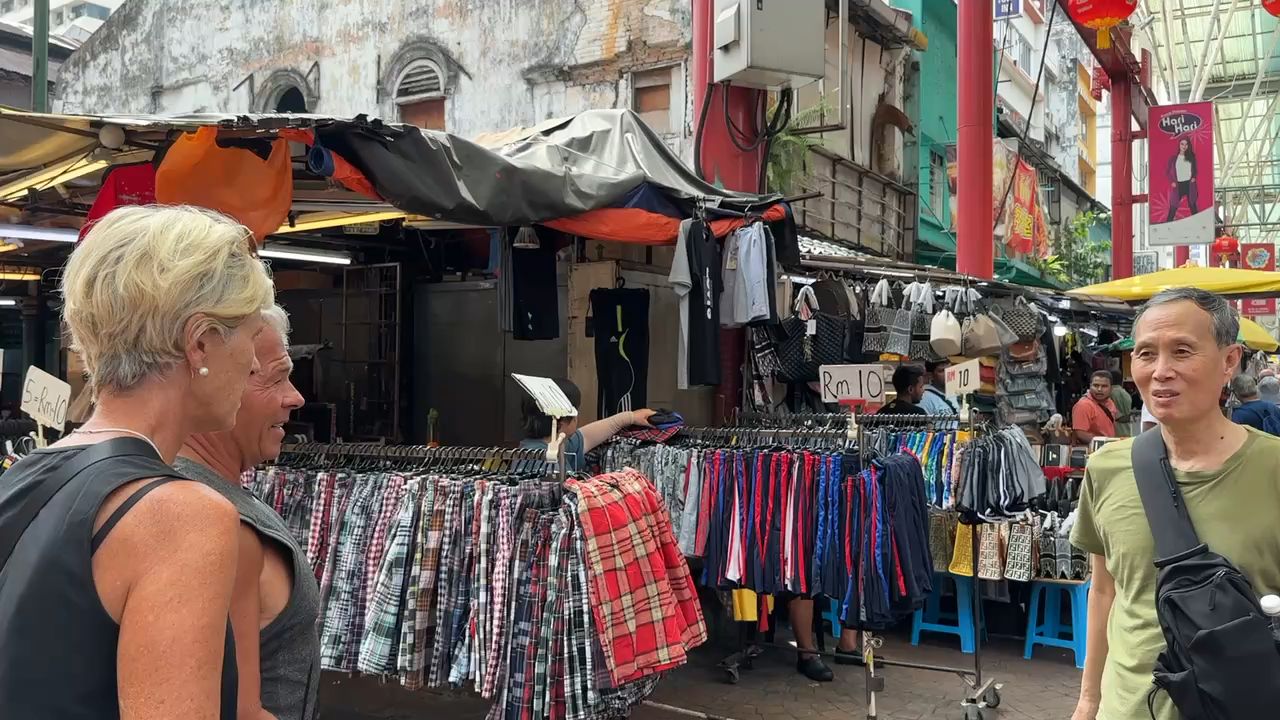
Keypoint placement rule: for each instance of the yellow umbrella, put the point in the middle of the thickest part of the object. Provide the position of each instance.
(1224, 281)
(1256, 337)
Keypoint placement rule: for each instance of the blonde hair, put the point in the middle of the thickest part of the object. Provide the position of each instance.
(141, 274)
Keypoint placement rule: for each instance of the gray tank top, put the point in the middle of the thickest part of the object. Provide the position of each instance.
(290, 645)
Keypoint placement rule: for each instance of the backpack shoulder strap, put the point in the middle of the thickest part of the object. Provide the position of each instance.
(1175, 536)
(11, 533)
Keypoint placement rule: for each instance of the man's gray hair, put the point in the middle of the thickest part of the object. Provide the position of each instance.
(1226, 323)
(277, 318)
(1244, 386)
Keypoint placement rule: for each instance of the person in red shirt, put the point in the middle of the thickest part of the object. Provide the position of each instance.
(1094, 414)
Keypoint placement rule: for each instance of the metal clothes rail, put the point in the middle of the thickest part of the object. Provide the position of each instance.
(981, 693)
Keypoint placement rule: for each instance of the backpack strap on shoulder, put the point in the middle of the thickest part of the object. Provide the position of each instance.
(1171, 527)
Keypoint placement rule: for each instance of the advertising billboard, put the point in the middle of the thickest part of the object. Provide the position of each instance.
(1180, 143)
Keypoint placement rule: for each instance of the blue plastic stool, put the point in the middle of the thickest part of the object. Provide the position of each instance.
(930, 618)
(1051, 632)
(832, 617)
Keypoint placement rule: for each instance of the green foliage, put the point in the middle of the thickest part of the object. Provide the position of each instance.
(1078, 258)
(790, 149)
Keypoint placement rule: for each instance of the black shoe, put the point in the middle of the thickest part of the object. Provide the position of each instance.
(812, 667)
(848, 657)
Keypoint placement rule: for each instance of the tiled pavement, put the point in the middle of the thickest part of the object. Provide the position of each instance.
(1041, 689)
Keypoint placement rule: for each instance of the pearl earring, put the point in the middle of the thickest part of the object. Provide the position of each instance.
(204, 372)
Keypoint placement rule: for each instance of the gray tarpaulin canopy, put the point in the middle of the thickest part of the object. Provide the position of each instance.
(591, 161)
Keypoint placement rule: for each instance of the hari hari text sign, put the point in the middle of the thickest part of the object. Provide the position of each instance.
(852, 383)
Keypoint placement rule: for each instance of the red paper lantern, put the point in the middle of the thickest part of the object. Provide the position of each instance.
(1102, 15)
(1272, 6)
(1225, 247)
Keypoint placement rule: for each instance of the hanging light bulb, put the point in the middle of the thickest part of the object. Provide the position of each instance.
(1059, 330)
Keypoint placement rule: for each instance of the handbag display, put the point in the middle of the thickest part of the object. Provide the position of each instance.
(879, 316)
(904, 320)
(945, 333)
(1018, 556)
(942, 539)
(1023, 320)
(962, 553)
(811, 338)
(991, 552)
(979, 336)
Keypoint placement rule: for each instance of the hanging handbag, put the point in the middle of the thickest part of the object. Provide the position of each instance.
(1018, 556)
(990, 553)
(899, 340)
(879, 317)
(945, 334)
(1024, 350)
(811, 339)
(978, 336)
(1048, 569)
(922, 325)
(962, 553)
(942, 539)
(1023, 319)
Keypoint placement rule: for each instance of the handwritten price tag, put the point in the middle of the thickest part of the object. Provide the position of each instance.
(844, 383)
(45, 398)
(964, 378)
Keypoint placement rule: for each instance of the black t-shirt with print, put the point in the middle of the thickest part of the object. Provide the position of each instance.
(704, 305)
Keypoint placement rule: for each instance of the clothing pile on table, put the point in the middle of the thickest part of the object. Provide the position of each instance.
(799, 521)
(554, 602)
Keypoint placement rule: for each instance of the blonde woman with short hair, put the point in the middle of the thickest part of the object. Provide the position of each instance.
(116, 575)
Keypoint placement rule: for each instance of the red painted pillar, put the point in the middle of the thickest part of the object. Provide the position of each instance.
(1121, 176)
(975, 248)
(722, 163)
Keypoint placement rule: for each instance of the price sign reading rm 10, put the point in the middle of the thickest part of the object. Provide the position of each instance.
(45, 398)
(842, 383)
(964, 378)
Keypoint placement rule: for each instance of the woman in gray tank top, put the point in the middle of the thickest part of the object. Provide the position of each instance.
(276, 605)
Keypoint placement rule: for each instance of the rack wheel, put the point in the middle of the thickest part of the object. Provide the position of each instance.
(992, 698)
(972, 712)
(731, 675)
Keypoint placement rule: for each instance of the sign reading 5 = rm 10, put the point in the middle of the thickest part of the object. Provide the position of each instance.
(847, 383)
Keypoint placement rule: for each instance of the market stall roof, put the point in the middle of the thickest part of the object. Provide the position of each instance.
(1224, 281)
(595, 160)
(1252, 335)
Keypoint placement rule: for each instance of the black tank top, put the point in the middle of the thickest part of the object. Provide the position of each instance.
(57, 642)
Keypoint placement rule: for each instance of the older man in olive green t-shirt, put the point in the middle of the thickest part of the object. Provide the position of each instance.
(1184, 353)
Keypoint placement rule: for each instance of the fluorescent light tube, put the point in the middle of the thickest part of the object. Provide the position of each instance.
(30, 232)
(318, 256)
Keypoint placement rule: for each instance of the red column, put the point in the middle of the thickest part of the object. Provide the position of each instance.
(1121, 176)
(724, 164)
(975, 247)
(722, 161)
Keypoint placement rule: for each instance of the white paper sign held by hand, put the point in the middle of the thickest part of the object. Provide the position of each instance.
(45, 398)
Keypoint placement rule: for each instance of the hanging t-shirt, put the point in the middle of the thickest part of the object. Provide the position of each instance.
(682, 282)
(746, 271)
(535, 299)
(704, 308)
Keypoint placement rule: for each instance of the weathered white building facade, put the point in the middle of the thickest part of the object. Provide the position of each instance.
(466, 66)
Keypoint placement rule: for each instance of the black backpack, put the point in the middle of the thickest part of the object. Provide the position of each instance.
(1222, 661)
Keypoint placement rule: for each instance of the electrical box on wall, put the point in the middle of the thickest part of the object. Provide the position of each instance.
(770, 44)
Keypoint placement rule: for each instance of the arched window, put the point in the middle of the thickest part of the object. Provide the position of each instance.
(419, 94)
(291, 101)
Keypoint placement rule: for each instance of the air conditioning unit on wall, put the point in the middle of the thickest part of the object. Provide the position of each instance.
(770, 44)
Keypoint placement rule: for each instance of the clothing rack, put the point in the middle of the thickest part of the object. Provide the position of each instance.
(427, 454)
(980, 693)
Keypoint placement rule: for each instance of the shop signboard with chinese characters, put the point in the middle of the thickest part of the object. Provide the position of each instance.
(1180, 144)
(1258, 256)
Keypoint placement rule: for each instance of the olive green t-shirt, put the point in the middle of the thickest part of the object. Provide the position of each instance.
(1235, 510)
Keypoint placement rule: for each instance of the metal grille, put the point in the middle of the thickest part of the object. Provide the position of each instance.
(371, 353)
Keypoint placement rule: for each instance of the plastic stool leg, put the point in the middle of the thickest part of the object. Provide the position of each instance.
(1080, 621)
(1052, 613)
(964, 611)
(917, 619)
(1033, 620)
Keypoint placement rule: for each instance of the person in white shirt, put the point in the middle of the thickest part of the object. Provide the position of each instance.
(1148, 420)
(1181, 174)
(936, 401)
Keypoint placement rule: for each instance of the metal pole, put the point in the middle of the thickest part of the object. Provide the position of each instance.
(1122, 177)
(40, 57)
(975, 251)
